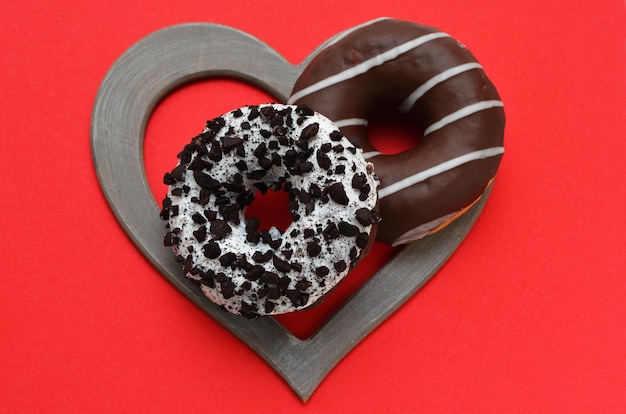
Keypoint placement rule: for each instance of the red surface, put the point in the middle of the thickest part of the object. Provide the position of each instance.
(527, 316)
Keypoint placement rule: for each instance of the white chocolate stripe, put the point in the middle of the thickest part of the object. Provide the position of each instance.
(434, 81)
(438, 169)
(462, 113)
(366, 65)
(353, 29)
(351, 122)
(371, 154)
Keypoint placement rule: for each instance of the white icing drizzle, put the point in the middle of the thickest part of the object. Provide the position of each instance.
(352, 29)
(462, 113)
(366, 65)
(423, 229)
(438, 169)
(434, 81)
(351, 122)
(371, 154)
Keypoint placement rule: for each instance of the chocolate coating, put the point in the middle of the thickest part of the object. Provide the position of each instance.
(388, 64)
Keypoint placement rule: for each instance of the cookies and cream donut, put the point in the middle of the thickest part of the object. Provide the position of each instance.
(388, 64)
(332, 199)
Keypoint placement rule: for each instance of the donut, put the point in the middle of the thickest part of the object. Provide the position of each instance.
(388, 65)
(241, 267)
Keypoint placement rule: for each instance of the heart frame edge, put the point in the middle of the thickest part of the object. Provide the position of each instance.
(145, 74)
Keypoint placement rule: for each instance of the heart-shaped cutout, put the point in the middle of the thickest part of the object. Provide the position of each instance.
(144, 75)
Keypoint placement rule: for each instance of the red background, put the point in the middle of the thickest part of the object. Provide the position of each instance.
(527, 316)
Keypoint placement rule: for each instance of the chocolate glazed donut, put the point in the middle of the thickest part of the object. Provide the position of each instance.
(388, 64)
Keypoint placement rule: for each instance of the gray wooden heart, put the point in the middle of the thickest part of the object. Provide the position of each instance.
(135, 84)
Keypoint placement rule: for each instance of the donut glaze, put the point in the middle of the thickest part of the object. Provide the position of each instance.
(390, 65)
(332, 198)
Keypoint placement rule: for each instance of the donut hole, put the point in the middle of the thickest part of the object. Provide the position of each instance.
(271, 209)
(393, 133)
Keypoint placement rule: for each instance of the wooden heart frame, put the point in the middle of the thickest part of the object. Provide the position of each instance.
(136, 83)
